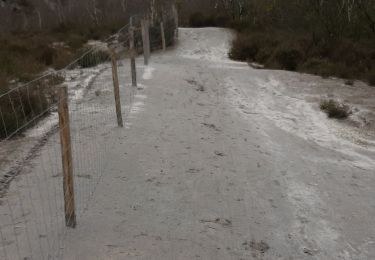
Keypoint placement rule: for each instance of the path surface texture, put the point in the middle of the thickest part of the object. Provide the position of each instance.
(222, 161)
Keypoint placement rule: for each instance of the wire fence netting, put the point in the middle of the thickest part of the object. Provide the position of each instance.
(33, 199)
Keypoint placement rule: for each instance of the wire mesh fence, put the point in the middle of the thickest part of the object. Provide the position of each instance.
(53, 160)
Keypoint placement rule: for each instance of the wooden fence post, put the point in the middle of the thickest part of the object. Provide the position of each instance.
(163, 36)
(145, 41)
(67, 159)
(132, 55)
(116, 87)
(148, 41)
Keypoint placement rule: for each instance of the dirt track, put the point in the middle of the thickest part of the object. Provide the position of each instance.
(221, 161)
(225, 162)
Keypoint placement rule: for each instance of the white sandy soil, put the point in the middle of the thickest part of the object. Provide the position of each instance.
(221, 161)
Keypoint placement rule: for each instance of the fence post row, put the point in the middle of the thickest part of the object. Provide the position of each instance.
(162, 36)
(67, 159)
(132, 54)
(116, 86)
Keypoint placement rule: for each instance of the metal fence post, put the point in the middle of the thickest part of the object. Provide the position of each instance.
(67, 159)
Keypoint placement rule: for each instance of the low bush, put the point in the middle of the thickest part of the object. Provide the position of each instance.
(76, 41)
(23, 56)
(349, 82)
(199, 19)
(3, 83)
(326, 68)
(240, 25)
(317, 66)
(335, 109)
(371, 77)
(298, 52)
(263, 48)
(76, 35)
(243, 48)
(169, 32)
(288, 57)
(257, 47)
(62, 57)
(155, 37)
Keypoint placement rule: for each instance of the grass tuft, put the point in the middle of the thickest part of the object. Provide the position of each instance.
(335, 109)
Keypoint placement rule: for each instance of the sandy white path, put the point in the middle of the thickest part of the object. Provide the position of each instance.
(227, 162)
(221, 161)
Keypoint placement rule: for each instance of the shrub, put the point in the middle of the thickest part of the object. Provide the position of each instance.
(62, 58)
(240, 25)
(169, 32)
(222, 21)
(314, 66)
(349, 82)
(155, 37)
(76, 41)
(288, 57)
(22, 57)
(371, 77)
(326, 68)
(253, 46)
(44, 55)
(335, 109)
(199, 19)
(349, 52)
(243, 48)
(343, 58)
(25, 68)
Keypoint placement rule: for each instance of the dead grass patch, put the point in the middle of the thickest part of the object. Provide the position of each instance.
(335, 109)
